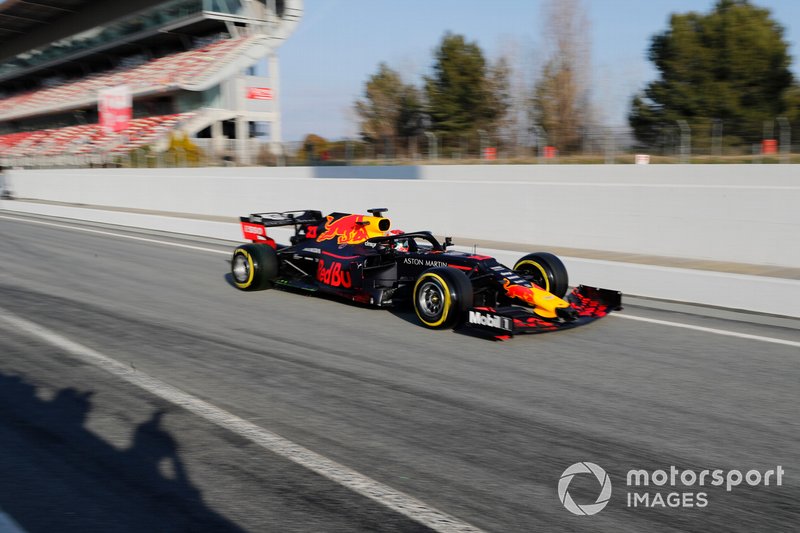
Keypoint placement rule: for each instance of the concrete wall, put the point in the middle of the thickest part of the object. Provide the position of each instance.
(739, 213)
(774, 296)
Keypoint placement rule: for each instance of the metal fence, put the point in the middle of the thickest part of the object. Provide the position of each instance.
(702, 142)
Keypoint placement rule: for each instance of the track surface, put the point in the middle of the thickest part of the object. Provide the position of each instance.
(477, 429)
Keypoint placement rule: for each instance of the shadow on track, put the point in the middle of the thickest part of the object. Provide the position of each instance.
(57, 475)
(403, 312)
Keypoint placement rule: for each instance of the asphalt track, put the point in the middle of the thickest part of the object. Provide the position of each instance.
(95, 327)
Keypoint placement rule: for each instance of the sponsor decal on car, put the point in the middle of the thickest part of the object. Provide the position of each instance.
(506, 273)
(333, 275)
(489, 320)
(518, 291)
(424, 262)
(253, 229)
(347, 230)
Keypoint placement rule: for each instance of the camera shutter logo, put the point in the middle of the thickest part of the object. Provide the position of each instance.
(584, 468)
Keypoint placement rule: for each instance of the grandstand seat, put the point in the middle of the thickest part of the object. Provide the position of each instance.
(159, 73)
(89, 138)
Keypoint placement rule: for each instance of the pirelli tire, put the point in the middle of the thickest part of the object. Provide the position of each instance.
(546, 270)
(254, 267)
(442, 297)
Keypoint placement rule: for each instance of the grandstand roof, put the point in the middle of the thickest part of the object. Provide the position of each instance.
(28, 24)
(18, 17)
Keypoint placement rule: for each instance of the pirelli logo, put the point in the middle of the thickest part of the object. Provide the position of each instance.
(489, 320)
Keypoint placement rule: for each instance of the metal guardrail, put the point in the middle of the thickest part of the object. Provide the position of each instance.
(598, 147)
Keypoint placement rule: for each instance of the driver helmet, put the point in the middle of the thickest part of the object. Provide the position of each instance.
(399, 245)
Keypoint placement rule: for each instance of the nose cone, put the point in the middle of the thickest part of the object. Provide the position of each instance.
(547, 305)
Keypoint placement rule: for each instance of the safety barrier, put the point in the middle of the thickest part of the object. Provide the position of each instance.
(731, 213)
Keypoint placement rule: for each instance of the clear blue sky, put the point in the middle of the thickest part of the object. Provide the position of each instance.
(339, 44)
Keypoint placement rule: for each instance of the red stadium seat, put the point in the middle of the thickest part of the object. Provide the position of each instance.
(89, 138)
(160, 73)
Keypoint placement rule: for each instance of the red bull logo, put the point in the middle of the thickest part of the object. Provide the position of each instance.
(348, 229)
(544, 304)
(353, 229)
(519, 291)
(333, 275)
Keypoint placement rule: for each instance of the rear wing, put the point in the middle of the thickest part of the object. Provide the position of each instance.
(287, 218)
(254, 227)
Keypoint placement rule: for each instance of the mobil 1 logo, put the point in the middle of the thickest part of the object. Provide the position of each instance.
(489, 320)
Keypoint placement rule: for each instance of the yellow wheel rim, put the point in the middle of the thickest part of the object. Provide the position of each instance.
(249, 267)
(445, 294)
(538, 267)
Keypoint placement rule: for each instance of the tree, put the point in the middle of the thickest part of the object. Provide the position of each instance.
(498, 84)
(791, 104)
(314, 147)
(519, 65)
(465, 95)
(561, 96)
(731, 64)
(182, 150)
(390, 108)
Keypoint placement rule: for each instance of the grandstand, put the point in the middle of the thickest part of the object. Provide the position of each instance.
(184, 66)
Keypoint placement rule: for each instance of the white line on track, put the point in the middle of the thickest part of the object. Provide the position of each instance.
(582, 185)
(120, 235)
(359, 483)
(630, 317)
(709, 330)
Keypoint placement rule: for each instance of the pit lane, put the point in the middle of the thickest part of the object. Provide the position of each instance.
(479, 430)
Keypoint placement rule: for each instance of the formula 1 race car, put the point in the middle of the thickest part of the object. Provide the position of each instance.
(359, 257)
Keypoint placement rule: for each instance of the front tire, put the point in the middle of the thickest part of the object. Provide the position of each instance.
(254, 267)
(546, 270)
(442, 296)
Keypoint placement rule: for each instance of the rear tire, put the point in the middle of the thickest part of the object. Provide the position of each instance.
(442, 296)
(546, 270)
(254, 267)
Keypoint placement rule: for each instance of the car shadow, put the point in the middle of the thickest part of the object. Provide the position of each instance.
(229, 279)
(57, 475)
(406, 314)
(403, 312)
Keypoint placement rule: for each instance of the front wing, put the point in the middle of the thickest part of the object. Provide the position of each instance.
(589, 303)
